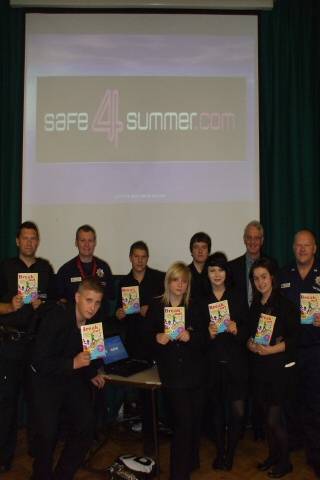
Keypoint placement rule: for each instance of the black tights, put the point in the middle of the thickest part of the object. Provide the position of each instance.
(228, 421)
(277, 435)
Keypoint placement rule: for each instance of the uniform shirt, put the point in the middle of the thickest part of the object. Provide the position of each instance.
(25, 319)
(70, 275)
(152, 285)
(9, 270)
(292, 285)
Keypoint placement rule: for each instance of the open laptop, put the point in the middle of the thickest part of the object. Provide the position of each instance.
(117, 360)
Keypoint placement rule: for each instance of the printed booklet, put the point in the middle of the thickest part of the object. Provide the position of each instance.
(309, 306)
(174, 321)
(93, 341)
(264, 329)
(219, 315)
(130, 299)
(28, 286)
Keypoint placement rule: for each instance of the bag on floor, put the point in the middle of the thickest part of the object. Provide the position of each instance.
(132, 467)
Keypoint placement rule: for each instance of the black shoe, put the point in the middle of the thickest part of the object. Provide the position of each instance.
(258, 434)
(278, 472)
(228, 464)
(5, 467)
(266, 464)
(218, 463)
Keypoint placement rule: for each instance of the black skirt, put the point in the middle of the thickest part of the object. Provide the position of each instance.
(225, 385)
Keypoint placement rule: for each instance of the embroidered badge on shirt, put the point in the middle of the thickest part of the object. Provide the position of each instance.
(285, 285)
(100, 273)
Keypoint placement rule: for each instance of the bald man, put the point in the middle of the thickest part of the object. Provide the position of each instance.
(303, 276)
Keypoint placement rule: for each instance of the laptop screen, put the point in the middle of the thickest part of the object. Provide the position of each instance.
(115, 350)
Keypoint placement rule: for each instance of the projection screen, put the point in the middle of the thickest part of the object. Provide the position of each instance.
(144, 126)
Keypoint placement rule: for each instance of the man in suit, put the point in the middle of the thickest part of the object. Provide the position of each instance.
(253, 237)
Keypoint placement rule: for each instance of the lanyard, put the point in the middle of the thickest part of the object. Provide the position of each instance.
(82, 272)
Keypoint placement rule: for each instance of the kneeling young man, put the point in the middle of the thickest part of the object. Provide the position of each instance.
(62, 378)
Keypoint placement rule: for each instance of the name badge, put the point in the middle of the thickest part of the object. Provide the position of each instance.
(75, 279)
(285, 285)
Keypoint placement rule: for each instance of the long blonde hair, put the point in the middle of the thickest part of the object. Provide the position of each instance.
(177, 270)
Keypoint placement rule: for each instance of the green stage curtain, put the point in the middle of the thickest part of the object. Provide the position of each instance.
(289, 122)
(11, 88)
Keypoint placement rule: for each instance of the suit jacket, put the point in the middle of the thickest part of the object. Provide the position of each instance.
(239, 274)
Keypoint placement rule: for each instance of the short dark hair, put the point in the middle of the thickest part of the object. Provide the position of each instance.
(139, 245)
(91, 283)
(86, 228)
(200, 237)
(219, 259)
(30, 226)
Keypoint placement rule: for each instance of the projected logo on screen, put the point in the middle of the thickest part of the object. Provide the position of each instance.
(79, 119)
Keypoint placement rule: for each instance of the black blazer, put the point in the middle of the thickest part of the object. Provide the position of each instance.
(180, 364)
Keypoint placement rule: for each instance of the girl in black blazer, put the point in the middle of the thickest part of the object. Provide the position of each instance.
(226, 361)
(181, 368)
(273, 364)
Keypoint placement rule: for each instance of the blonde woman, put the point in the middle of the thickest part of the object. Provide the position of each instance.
(181, 367)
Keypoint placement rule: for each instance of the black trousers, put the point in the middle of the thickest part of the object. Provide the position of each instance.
(186, 405)
(74, 397)
(12, 368)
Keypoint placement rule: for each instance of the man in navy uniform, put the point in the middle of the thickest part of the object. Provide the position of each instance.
(17, 324)
(85, 265)
(303, 276)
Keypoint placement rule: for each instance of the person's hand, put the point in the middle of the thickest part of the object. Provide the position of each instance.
(36, 303)
(232, 327)
(184, 336)
(81, 360)
(99, 381)
(16, 302)
(316, 321)
(264, 350)
(252, 346)
(143, 310)
(120, 314)
(162, 338)
(213, 330)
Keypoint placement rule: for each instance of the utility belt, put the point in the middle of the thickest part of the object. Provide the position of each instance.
(9, 334)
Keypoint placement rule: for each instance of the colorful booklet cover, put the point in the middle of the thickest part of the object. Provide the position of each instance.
(174, 321)
(92, 340)
(264, 329)
(309, 306)
(219, 315)
(28, 286)
(130, 299)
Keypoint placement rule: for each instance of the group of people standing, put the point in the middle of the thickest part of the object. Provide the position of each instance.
(42, 342)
